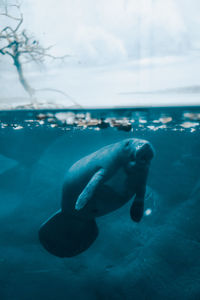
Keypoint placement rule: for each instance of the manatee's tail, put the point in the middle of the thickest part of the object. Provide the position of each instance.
(137, 211)
(66, 236)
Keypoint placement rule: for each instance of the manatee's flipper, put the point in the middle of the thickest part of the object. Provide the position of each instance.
(137, 210)
(90, 188)
(66, 236)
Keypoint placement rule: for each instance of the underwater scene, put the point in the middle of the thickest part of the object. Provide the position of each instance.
(100, 204)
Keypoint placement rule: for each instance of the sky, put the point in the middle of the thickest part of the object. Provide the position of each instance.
(116, 47)
(102, 32)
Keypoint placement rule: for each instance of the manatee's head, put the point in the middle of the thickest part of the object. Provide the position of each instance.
(139, 153)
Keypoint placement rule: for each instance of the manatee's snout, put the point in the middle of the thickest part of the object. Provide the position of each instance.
(143, 152)
(140, 156)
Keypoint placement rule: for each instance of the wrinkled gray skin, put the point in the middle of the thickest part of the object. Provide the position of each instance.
(106, 179)
(94, 186)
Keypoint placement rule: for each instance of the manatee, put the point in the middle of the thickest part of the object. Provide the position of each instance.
(94, 186)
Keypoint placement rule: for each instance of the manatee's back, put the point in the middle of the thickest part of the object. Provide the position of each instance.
(86, 167)
(82, 171)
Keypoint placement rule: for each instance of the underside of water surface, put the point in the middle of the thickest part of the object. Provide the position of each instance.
(157, 258)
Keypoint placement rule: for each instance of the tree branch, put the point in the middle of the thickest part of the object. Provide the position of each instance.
(7, 52)
(6, 14)
(23, 47)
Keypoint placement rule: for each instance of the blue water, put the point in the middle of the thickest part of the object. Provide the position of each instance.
(157, 258)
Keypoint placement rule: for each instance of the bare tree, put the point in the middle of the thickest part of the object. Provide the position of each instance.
(20, 46)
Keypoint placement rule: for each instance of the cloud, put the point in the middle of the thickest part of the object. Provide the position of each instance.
(96, 45)
(100, 32)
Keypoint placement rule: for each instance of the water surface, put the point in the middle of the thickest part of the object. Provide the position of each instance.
(155, 259)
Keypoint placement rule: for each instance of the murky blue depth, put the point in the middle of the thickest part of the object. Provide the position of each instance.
(157, 258)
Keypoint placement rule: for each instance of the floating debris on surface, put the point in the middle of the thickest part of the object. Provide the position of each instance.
(41, 116)
(17, 127)
(66, 117)
(142, 121)
(3, 125)
(154, 128)
(165, 120)
(192, 116)
(121, 124)
(189, 124)
(133, 120)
